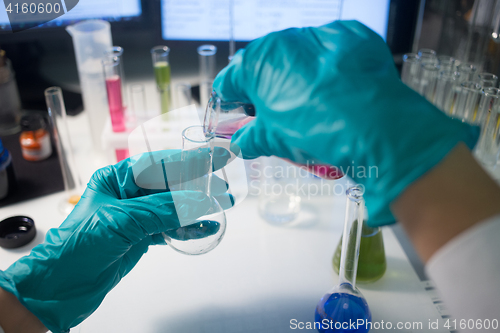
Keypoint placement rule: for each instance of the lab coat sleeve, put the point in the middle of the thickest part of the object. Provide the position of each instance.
(466, 272)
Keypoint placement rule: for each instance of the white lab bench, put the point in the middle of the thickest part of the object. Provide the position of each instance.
(257, 280)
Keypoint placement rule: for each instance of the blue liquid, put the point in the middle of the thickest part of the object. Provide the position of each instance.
(340, 310)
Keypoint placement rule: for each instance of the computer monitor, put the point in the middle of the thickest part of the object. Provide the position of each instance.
(208, 20)
(110, 10)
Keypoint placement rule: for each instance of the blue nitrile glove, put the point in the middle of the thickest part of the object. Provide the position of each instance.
(332, 95)
(65, 279)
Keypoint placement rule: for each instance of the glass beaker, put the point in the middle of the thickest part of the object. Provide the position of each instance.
(92, 40)
(197, 235)
(345, 303)
(60, 133)
(161, 67)
(372, 262)
(279, 201)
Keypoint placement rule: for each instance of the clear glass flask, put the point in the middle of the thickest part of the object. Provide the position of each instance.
(372, 262)
(345, 303)
(161, 67)
(72, 183)
(488, 148)
(207, 59)
(201, 234)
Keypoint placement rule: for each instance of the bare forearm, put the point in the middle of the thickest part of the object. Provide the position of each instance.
(15, 318)
(451, 198)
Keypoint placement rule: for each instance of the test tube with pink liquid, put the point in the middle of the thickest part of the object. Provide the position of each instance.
(223, 119)
(113, 73)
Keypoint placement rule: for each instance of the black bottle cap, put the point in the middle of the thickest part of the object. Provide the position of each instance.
(16, 231)
(32, 122)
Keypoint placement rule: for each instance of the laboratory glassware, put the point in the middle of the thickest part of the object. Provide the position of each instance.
(279, 201)
(487, 80)
(7, 176)
(488, 148)
(207, 60)
(445, 90)
(161, 67)
(92, 40)
(222, 119)
(467, 72)
(467, 102)
(202, 234)
(446, 64)
(138, 103)
(428, 78)
(183, 94)
(345, 303)
(60, 132)
(372, 262)
(35, 139)
(232, 46)
(410, 72)
(428, 55)
(113, 75)
(10, 105)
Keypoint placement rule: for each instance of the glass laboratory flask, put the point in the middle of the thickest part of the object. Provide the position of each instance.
(372, 262)
(222, 119)
(197, 235)
(345, 304)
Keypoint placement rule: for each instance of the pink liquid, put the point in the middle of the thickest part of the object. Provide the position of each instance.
(121, 154)
(115, 101)
(226, 129)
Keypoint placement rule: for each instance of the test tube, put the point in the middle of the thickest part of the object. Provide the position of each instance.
(206, 56)
(113, 76)
(428, 78)
(487, 80)
(488, 148)
(138, 102)
(183, 93)
(161, 66)
(466, 71)
(446, 64)
(60, 132)
(445, 89)
(411, 70)
(427, 55)
(467, 102)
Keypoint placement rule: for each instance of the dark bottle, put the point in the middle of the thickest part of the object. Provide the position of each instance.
(7, 177)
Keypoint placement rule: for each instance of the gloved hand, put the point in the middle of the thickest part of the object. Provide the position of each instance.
(333, 95)
(66, 278)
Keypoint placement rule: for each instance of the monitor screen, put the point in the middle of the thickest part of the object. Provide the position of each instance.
(209, 19)
(111, 10)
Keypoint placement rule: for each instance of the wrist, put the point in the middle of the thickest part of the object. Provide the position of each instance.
(452, 197)
(15, 318)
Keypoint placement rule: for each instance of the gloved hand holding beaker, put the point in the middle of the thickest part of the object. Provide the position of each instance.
(66, 278)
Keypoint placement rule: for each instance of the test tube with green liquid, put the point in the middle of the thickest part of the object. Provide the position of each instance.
(161, 67)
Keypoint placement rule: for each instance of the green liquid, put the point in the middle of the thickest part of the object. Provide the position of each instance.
(162, 74)
(371, 262)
